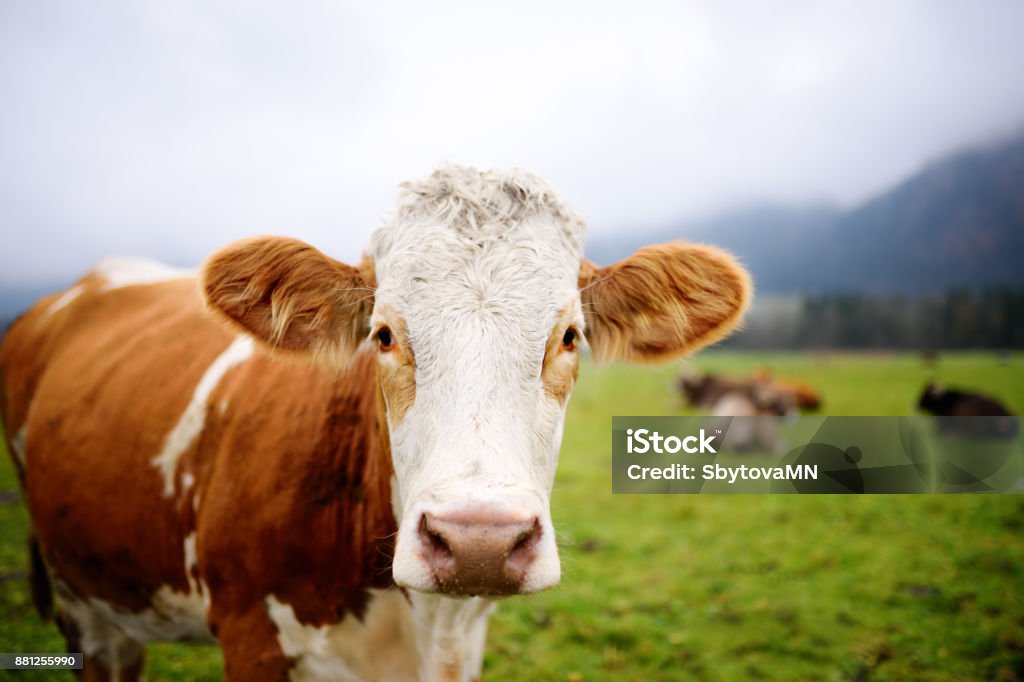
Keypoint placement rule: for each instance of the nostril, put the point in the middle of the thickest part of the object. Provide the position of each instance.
(522, 551)
(433, 540)
(527, 537)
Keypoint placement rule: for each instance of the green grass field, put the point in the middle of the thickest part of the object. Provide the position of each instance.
(724, 587)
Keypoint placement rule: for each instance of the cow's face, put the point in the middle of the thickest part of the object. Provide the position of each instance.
(476, 303)
(478, 325)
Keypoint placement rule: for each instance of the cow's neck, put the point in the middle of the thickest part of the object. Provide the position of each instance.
(450, 635)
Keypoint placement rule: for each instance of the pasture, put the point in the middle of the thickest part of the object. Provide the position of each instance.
(722, 587)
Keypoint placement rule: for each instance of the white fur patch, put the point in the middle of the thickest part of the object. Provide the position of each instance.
(115, 635)
(380, 647)
(65, 298)
(18, 445)
(173, 617)
(191, 561)
(126, 272)
(450, 635)
(99, 636)
(434, 638)
(193, 419)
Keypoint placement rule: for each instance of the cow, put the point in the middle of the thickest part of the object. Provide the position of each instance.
(760, 406)
(705, 390)
(778, 395)
(331, 471)
(803, 394)
(968, 414)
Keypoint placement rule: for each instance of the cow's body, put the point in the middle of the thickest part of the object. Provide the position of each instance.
(285, 453)
(328, 470)
(760, 408)
(763, 391)
(967, 414)
(705, 390)
(946, 402)
(805, 396)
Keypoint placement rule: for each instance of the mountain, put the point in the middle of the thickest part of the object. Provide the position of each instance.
(957, 223)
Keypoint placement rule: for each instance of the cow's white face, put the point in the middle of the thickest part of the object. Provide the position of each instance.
(477, 321)
(476, 302)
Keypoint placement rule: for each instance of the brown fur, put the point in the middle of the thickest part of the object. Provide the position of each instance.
(27, 348)
(100, 361)
(806, 397)
(662, 302)
(397, 371)
(293, 472)
(291, 296)
(557, 374)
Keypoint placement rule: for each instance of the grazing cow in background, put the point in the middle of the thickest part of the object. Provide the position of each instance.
(762, 406)
(763, 391)
(754, 401)
(951, 402)
(335, 473)
(804, 395)
(705, 390)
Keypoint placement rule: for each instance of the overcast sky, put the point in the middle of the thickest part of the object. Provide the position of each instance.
(170, 128)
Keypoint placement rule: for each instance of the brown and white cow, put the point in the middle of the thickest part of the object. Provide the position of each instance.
(335, 473)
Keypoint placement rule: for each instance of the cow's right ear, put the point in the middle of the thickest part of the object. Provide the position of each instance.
(291, 296)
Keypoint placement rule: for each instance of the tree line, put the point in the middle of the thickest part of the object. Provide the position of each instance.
(955, 319)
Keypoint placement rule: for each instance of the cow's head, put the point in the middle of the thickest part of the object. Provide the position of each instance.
(477, 303)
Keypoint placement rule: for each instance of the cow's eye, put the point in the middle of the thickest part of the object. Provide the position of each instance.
(569, 338)
(385, 339)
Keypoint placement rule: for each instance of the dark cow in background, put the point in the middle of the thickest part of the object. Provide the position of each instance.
(953, 402)
(953, 405)
(329, 470)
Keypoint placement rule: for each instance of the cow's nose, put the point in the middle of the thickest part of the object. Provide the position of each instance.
(479, 553)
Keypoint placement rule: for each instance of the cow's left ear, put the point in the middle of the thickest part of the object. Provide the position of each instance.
(291, 296)
(662, 302)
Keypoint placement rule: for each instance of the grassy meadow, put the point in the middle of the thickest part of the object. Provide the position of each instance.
(723, 587)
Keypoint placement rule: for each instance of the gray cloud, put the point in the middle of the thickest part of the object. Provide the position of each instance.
(169, 129)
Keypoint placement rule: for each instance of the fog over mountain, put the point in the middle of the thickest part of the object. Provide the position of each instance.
(959, 222)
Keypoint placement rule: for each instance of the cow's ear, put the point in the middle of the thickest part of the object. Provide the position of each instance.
(291, 296)
(662, 302)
